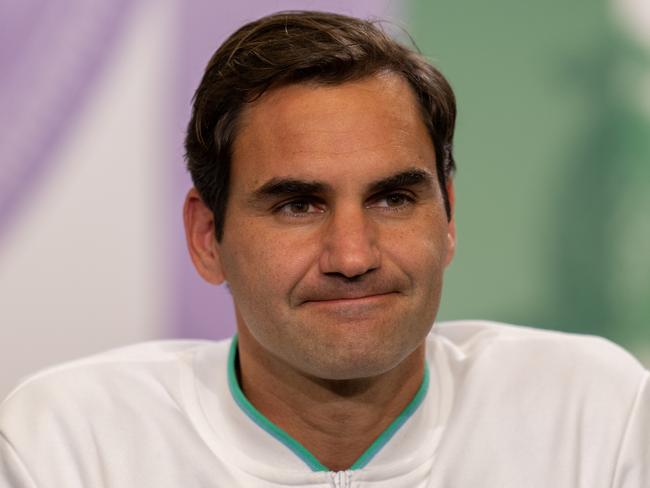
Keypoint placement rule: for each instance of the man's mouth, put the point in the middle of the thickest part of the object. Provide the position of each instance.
(349, 298)
(348, 293)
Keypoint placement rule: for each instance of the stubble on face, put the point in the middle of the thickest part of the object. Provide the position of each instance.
(340, 279)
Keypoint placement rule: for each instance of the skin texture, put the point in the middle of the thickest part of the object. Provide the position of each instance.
(334, 247)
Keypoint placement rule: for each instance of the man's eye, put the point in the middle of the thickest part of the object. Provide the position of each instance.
(298, 207)
(394, 200)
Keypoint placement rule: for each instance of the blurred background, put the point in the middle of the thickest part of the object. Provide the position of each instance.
(553, 151)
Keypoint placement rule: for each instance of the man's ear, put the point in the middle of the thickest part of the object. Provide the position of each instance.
(201, 241)
(451, 225)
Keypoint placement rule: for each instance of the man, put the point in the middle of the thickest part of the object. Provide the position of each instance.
(320, 152)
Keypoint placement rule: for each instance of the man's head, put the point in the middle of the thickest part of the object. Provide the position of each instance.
(323, 193)
(302, 47)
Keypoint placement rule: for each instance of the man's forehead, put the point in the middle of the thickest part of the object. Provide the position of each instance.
(389, 83)
(362, 131)
(292, 109)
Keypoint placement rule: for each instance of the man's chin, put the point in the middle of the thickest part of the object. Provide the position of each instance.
(362, 359)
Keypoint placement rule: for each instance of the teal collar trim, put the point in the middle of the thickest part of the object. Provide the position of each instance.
(295, 446)
(254, 414)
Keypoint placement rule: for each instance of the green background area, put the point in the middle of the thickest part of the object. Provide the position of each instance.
(553, 154)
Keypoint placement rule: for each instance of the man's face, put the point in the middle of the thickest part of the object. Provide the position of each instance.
(335, 236)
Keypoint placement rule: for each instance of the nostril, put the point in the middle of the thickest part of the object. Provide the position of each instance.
(344, 279)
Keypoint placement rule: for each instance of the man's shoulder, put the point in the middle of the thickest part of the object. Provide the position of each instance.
(566, 406)
(549, 357)
(474, 338)
(104, 412)
(106, 378)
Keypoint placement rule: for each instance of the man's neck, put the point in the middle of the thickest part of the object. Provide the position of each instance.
(335, 420)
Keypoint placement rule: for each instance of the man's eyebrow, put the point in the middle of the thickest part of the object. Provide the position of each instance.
(410, 177)
(286, 187)
(279, 187)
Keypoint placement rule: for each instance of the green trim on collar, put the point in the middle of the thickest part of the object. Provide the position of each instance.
(392, 429)
(254, 414)
(307, 457)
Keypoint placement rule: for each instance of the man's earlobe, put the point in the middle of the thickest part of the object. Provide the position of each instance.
(451, 225)
(201, 242)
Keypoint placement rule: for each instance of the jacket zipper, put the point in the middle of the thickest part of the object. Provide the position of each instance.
(341, 479)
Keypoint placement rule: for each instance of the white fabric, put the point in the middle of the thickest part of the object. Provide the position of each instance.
(507, 407)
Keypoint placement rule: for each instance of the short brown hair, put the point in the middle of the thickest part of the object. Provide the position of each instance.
(294, 47)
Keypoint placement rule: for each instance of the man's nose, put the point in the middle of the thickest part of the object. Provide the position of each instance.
(349, 244)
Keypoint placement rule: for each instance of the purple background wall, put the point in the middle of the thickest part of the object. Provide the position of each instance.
(51, 52)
